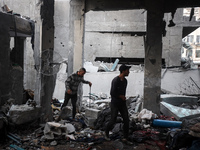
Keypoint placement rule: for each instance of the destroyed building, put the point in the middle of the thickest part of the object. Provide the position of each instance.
(41, 36)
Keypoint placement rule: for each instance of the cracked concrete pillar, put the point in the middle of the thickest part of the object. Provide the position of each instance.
(76, 39)
(153, 61)
(47, 81)
(5, 79)
(76, 35)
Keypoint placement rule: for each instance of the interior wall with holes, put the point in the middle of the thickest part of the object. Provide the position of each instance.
(31, 9)
(26, 9)
(120, 34)
(181, 82)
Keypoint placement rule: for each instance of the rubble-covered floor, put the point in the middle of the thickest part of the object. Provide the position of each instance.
(31, 137)
(147, 130)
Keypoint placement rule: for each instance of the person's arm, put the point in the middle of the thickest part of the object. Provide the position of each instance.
(123, 96)
(86, 82)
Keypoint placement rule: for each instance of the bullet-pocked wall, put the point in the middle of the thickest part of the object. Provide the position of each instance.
(120, 34)
(107, 34)
(31, 9)
(26, 9)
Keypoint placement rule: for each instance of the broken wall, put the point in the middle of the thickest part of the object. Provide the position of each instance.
(172, 42)
(5, 84)
(173, 80)
(26, 8)
(114, 34)
(119, 34)
(31, 9)
(61, 22)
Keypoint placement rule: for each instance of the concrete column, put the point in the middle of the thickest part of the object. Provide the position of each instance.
(76, 35)
(5, 79)
(36, 54)
(47, 81)
(153, 61)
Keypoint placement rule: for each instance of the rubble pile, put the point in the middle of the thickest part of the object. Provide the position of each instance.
(147, 130)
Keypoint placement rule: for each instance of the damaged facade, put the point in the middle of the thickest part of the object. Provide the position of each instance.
(70, 33)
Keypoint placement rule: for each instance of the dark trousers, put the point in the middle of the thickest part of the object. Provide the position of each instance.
(73, 101)
(122, 108)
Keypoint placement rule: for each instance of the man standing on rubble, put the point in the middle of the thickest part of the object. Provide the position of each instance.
(71, 85)
(118, 103)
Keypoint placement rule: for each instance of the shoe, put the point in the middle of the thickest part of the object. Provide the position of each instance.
(107, 138)
(127, 142)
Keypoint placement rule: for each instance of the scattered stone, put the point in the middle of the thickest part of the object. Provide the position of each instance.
(53, 143)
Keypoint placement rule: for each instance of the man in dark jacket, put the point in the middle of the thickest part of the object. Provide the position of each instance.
(71, 85)
(118, 102)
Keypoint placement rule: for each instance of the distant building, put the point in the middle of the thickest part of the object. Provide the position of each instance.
(193, 39)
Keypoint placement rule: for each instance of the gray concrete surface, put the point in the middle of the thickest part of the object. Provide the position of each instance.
(173, 80)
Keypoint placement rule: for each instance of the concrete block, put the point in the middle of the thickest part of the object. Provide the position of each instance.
(20, 114)
(89, 121)
(178, 112)
(54, 128)
(170, 106)
(92, 113)
(177, 100)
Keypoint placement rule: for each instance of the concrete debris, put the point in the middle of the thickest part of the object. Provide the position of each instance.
(89, 121)
(172, 105)
(86, 131)
(178, 112)
(98, 96)
(98, 103)
(138, 104)
(65, 133)
(113, 68)
(53, 143)
(71, 136)
(102, 101)
(90, 67)
(94, 113)
(70, 128)
(145, 114)
(102, 106)
(20, 114)
(52, 128)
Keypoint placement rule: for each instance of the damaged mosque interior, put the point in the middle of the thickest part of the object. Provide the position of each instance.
(43, 42)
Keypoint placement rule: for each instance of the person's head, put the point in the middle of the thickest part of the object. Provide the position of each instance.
(124, 69)
(81, 72)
